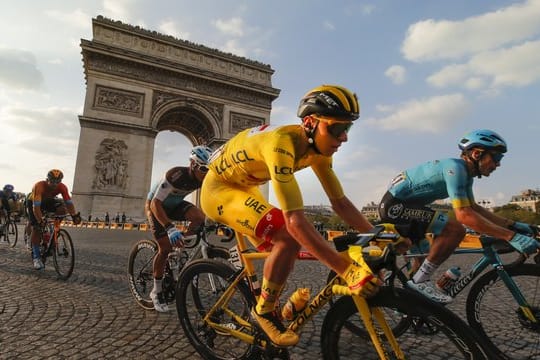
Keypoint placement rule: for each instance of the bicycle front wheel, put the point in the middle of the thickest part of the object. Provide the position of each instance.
(64, 255)
(453, 339)
(140, 272)
(496, 316)
(201, 284)
(12, 233)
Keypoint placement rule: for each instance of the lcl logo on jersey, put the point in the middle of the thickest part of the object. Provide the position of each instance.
(284, 170)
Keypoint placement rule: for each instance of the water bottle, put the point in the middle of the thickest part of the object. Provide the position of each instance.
(296, 303)
(449, 278)
(46, 236)
(174, 262)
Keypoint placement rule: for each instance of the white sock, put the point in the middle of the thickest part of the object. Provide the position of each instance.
(158, 285)
(424, 273)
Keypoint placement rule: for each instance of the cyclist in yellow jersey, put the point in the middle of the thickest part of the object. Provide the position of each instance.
(230, 195)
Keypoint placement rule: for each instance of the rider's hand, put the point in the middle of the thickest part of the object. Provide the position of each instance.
(524, 244)
(523, 228)
(175, 236)
(76, 218)
(361, 280)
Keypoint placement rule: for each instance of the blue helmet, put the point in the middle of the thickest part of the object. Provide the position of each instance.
(8, 187)
(484, 139)
(200, 155)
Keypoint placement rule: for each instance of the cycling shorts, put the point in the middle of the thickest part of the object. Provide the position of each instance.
(47, 205)
(177, 213)
(243, 208)
(412, 220)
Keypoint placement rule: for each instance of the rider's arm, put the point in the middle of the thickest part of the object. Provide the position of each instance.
(346, 210)
(303, 231)
(468, 216)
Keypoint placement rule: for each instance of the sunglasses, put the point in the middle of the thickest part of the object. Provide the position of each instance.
(496, 156)
(336, 127)
(202, 168)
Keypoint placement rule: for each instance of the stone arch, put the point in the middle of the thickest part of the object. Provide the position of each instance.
(198, 123)
(140, 82)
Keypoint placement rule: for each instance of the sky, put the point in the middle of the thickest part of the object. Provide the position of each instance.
(425, 72)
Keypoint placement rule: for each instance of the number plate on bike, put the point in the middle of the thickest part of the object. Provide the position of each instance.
(234, 257)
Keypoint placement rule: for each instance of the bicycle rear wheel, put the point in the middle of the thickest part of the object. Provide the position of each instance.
(64, 255)
(201, 284)
(496, 316)
(452, 340)
(140, 269)
(11, 233)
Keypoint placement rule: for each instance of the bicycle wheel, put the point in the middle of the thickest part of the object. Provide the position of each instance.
(64, 255)
(453, 340)
(496, 316)
(399, 322)
(201, 284)
(11, 233)
(140, 268)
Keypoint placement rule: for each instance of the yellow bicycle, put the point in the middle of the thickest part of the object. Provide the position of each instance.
(216, 317)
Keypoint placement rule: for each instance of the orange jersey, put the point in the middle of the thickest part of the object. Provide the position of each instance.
(42, 190)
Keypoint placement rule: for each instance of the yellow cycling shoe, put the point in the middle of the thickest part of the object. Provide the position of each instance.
(274, 329)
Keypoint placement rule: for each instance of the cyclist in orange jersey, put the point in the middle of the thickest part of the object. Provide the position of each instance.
(230, 195)
(43, 198)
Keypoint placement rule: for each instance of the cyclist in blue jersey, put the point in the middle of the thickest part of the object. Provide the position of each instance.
(165, 203)
(6, 194)
(407, 199)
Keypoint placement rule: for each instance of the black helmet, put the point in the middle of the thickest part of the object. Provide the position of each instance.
(55, 176)
(330, 100)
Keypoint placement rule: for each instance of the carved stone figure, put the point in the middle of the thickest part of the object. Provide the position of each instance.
(111, 165)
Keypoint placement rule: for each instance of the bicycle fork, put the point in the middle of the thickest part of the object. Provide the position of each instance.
(365, 314)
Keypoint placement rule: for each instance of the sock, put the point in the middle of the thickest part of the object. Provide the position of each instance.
(35, 252)
(158, 285)
(425, 271)
(269, 294)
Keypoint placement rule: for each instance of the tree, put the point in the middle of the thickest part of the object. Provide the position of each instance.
(517, 213)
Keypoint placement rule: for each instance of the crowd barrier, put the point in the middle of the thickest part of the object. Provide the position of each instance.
(470, 240)
(113, 225)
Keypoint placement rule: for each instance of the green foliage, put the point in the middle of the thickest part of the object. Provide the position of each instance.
(516, 213)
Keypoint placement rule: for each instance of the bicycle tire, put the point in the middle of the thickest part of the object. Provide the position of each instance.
(64, 255)
(454, 340)
(498, 319)
(195, 296)
(140, 272)
(399, 323)
(11, 233)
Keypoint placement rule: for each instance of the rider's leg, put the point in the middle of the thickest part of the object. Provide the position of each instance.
(277, 267)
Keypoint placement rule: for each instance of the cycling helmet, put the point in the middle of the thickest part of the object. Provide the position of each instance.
(200, 155)
(55, 176)
(330, 100)
(8, 187)
(483, 138)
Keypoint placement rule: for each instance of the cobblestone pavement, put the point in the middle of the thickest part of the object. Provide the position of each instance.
(93, 316)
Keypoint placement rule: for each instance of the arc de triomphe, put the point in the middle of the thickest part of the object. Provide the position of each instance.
(140, 82)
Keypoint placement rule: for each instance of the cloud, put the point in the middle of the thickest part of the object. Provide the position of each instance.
(516, 66)
(329, 26)
(118, 10)
(396, 73)
(76, 18)
(39, 126)
(431, 40)
(232, 46)
(18, 70)
(435, 114)
(169, 27)
(232, 27)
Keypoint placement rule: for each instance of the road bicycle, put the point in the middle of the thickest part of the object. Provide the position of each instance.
(141, 260)
(216, 317)
(503, 303)
(57, 242)
(8, 230)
